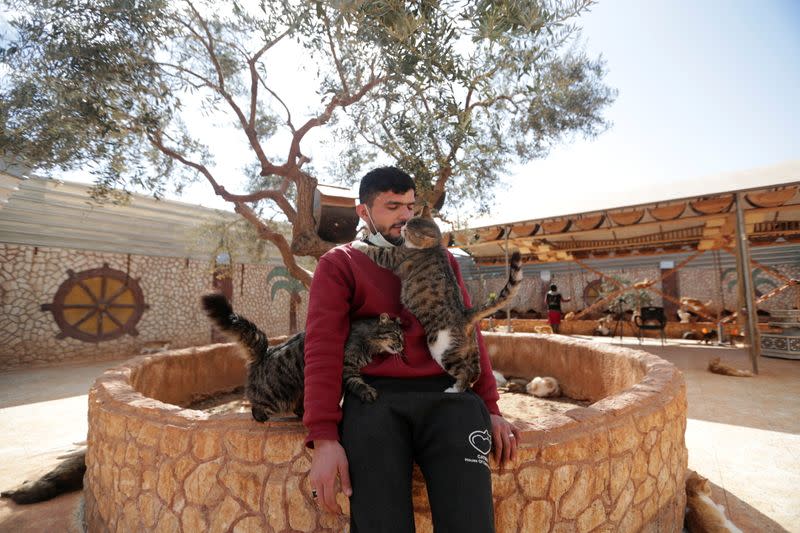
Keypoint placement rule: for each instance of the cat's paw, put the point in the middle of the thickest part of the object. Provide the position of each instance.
(259, 415)
(360, 245)
(368, 395)
(453, 389)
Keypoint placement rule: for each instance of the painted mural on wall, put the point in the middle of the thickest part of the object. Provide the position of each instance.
(719, 288)
(170, 291)
(282, 281)
(97, 305)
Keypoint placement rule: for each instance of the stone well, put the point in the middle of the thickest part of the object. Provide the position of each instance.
(616, 465)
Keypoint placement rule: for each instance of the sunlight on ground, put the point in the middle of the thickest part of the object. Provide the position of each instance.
(759, 463)
(25, 446)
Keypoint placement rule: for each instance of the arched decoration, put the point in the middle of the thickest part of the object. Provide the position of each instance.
(626, 218)
(712, 206)
(462, 238)
(523, 230)
(489, 234)
(97, 305)
(588, 222)
(667, 212)
(774, 198)
(592, 292)
(556, 226)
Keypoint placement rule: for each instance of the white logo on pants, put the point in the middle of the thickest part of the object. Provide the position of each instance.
(481, 441)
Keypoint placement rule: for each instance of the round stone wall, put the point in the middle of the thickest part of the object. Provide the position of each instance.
(616, 465)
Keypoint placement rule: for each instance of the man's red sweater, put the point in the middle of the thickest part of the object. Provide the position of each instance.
(348, 285)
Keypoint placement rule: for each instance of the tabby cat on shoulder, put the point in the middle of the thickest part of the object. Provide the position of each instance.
(275, 373)
(430, 291)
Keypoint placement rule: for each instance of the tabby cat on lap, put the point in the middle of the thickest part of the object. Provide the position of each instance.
(275, 374)
(430, 291)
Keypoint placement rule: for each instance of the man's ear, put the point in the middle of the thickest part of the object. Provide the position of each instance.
(361, 211)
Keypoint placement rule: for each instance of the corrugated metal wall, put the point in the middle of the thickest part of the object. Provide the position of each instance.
(767, 255)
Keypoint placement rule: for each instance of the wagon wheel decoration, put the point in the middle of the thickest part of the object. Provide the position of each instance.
(97, 305)
(592, 292)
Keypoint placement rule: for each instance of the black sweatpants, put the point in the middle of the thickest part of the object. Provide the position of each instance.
(447, 434)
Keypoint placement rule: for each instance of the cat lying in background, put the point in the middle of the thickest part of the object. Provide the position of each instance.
(706, 336)
(275, 374)
(546, 387)
(717, 367)
(429, 290)
(702, 514)
(67, 476)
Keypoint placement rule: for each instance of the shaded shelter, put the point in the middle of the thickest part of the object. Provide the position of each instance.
(759, 208)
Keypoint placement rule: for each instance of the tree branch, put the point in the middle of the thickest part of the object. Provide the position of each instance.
(251, 62)
(285, 249)
(437, 150)
(266, 165)
(336, 101)
(275, 195)
(278, 98)
(338, 63)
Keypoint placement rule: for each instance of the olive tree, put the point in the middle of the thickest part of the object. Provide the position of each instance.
(452, 91)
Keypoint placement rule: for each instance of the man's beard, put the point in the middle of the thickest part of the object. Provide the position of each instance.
(397, 241)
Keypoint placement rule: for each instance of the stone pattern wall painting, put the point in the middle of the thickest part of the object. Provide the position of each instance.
(694, 282)
(30, 277)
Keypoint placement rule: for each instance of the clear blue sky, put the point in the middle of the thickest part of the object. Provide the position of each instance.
(705, 87)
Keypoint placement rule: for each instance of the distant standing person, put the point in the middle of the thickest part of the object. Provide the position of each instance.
(553, 301)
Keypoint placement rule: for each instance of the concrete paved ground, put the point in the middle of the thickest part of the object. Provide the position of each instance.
(742, 433)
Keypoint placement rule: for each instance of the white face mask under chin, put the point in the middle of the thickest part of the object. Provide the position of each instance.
(377, 238)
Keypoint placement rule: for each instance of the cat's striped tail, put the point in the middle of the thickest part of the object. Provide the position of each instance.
(234, 326)
(506, 294)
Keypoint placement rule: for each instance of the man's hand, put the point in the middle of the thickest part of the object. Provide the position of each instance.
(504, 440)
(328, 462)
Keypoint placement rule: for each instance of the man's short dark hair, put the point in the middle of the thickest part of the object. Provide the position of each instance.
(384, 179)
(553, 287)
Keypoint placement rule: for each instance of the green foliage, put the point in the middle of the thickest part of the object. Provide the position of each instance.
(452, 91)
(762, 283)
(232, 237)
(102, 84)
(282, 280)
(493, 83)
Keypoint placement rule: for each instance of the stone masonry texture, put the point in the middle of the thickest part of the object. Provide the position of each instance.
(30, 277)
(617, 465)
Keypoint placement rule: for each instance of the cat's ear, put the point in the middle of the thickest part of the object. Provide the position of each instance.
(426, 211)
(384, 318)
